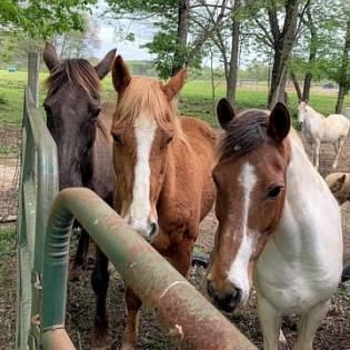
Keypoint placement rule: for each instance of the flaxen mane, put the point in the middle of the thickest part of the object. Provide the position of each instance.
(146, 94)
(245, 133)
(78, 72)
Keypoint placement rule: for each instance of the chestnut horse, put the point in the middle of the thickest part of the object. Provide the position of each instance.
(80, 126)
(279, 225)
(163, 163)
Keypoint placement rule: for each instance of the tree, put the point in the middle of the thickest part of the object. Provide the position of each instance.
(313, 43)
(173, 19)
(277, 24)
(77, 43)
(343, 76)
(43, 18)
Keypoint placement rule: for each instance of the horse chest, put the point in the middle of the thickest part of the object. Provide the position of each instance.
(300, 265)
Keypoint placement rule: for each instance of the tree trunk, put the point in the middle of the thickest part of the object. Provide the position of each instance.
(182, 34)
(296, 84)
(233, 65)
(279, 94)
(340, 101)
(275, 76)
(344, 76)
(312, 56)
(307, 86)
(212, 75)
(283, 42)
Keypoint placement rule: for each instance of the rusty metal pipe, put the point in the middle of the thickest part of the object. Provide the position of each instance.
(181, 309)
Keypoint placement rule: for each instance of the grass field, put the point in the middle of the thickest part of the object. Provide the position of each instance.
(195, 100)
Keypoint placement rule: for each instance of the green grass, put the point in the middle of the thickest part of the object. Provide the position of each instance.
(195, 100)
(7, 241)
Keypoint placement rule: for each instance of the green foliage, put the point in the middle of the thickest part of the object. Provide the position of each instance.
(164, 46)
(42, 19)
(329, 29)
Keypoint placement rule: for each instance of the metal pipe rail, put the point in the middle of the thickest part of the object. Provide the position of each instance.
(181, 309)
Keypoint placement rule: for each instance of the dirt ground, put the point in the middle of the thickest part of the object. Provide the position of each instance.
(334, 333)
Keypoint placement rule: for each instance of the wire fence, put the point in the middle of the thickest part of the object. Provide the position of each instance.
(10, 142)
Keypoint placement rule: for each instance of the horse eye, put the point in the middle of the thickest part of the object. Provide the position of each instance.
(47, 107)
(169, 139)
(274, 191)
(117, 139)
(95, 111)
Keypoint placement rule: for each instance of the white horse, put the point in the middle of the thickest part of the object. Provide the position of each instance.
(317, 128)
(279, 225)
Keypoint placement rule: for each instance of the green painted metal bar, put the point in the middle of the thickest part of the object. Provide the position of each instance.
(38, 187)
(179, 306)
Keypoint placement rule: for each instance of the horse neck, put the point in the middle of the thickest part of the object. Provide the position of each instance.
(307, 199)
(312, 114)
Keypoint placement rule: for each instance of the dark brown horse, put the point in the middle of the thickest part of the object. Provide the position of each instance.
(163, 164)
(80, 126)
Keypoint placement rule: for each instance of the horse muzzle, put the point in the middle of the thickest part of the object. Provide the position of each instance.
(148, 230)
(227, 301)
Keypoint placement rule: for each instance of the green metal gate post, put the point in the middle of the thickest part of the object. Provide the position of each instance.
(38, 188)
(177, 304)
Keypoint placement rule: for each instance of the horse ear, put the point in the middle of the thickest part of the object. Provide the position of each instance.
(175, 84)
(120, 74)
(224, 112)
(279, 122)
(340, 182)
(104, 66)
(50, 56)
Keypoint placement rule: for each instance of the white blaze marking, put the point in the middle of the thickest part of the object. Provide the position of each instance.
(238, 273)
(140, 207)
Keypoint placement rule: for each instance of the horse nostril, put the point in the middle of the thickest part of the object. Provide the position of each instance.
(227, 301)
(154, 228)
(236, 295)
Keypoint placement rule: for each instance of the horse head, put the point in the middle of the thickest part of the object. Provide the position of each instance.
(250, 178)
(72, 108)
(145, 123)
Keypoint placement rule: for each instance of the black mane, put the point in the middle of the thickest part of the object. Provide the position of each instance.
(77, 72)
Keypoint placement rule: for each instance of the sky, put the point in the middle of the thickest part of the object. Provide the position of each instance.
(109, 39)
(129, 50)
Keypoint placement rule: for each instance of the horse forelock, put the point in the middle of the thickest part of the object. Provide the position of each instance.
(245, 133)
(145, 96)
(78, 73)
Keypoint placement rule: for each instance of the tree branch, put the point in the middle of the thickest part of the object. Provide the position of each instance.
(207, 32)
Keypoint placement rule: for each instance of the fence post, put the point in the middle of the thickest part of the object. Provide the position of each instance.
(33, 75)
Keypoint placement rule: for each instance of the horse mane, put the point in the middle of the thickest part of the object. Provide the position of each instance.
(146, 94)
(78, 73)
(244, 133)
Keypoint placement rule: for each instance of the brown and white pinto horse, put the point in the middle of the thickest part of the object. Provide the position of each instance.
(163, 164)
(279, 225)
